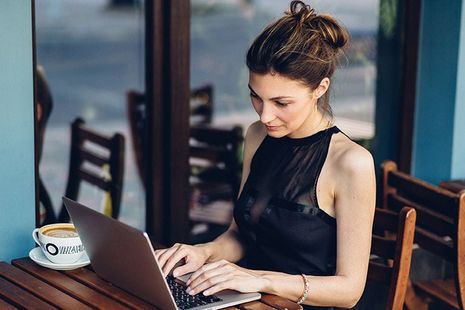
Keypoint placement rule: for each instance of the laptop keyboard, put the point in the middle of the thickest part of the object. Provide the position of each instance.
(184, 300)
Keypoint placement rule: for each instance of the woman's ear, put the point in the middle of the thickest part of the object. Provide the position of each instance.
(322, 88)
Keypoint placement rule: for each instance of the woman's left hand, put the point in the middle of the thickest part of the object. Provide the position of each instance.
(214, 277)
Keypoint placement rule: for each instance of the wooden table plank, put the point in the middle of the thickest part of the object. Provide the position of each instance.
(21, 298)
(90, 279)
(255, 305)
(39, 288)
(279, 302)
(68, 285)
(84, 286)
(6, 306)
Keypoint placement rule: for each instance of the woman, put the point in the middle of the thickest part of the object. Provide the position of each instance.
(301, 176)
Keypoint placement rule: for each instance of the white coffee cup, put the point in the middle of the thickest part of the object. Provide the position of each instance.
(59, 242)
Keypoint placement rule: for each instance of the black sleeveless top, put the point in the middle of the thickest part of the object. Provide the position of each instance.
(277, 213)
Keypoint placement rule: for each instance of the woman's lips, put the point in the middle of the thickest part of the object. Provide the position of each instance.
(272, 128)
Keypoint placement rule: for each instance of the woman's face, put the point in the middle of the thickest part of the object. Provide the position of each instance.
(286, 107)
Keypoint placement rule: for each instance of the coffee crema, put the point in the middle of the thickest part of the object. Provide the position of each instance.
(61, 232)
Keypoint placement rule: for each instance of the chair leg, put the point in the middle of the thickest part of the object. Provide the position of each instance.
(413, 301)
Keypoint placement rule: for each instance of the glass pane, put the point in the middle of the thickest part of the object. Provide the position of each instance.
(222, 30)
(92, 52)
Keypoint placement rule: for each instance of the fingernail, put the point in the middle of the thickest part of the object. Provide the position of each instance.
(188, 290)
(175, 273)
(206, 293)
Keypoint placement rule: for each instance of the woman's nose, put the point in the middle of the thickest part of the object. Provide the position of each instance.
(266, 114)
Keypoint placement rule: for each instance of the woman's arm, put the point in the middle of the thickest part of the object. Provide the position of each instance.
(355, 193)
(227, 246)
(354, 205)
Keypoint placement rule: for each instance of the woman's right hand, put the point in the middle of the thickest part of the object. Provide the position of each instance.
(194, 257)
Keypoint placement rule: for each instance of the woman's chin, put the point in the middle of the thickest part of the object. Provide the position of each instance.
(276, 133)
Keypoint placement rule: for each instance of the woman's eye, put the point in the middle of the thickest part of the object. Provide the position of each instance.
(281, 104)
(254, 97)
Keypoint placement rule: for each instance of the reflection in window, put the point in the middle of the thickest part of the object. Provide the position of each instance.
(222, 30)
(92, 52)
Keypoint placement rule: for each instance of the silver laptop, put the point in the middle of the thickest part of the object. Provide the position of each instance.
(125, 257)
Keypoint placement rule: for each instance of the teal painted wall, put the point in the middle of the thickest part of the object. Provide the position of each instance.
(438, 135)
(458, 150)
(17, 192)
(389, 80)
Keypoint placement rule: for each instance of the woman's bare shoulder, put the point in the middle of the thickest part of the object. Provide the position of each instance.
(255, 135)
(350, 157)
(353, 174)
(256, 131)
(253, 138)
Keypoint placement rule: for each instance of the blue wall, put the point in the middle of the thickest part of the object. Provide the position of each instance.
(438, 141)
(389, 81)
(17, 192)
(458, 150)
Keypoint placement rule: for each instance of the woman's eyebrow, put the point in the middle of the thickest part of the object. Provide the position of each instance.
(274, 98)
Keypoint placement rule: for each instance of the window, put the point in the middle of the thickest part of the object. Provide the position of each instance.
(222, 30)
(92, 52)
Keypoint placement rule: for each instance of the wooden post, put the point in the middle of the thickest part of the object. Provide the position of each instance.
(167, 88)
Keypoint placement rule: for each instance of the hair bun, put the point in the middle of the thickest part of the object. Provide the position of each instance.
(329, 28)
(301, 12)
(331, 31)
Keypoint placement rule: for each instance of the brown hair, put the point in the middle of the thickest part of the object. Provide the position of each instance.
(302, 45)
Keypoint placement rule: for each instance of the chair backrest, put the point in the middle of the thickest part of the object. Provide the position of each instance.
(214, 155)
(391, 245)
(201, 102)
(440, 217)
(137, 116)
(88, 164)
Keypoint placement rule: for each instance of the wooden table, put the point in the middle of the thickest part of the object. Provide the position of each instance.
(24, 284)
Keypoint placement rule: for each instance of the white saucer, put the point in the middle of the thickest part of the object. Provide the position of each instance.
(38, 257)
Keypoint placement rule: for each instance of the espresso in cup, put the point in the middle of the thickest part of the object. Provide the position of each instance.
(59, 242)
(61, 232)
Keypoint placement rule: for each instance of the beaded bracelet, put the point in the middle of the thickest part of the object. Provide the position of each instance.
(305, 292)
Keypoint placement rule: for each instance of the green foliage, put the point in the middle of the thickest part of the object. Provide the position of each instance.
(388, 17)
(366, 143)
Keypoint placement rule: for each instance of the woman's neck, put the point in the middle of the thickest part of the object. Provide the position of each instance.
(311, 126)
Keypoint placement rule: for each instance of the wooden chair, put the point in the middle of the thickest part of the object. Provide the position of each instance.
(215, 164)
(136, 111)
(440, 230)
(214, 157)
(218, 150)
(201, 101)
(391, 249)
(90, 153)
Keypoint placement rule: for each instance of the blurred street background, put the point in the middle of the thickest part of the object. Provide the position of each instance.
(93, 52)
